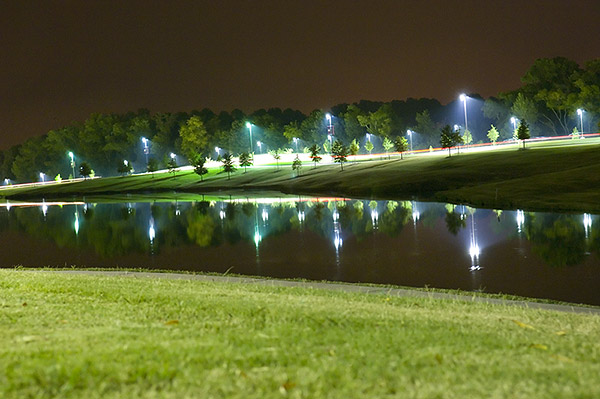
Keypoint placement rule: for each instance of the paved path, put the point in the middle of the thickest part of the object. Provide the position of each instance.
(399, 292)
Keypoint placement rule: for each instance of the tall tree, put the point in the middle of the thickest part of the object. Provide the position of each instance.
(401, 145)
(493, 134)
(228, 167)
(387, 145)
(523, 132)
(339, 153)
(193, 137)
(449, 138)
(245, 160)
(314, 154)
(198, 163)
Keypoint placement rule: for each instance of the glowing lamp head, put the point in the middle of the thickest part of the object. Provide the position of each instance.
(579, 111)
(328, 117)
(248, 125)
(71, 154)
(462, 97)
(144, 140)
(513, 119)
(173, 156)
(409, 132)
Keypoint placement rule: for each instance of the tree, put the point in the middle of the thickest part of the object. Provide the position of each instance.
(85, 170)
(339, 153)
(369, 146)
(401, 145)
(387, 145)
(314, 154)
(193, 137)
(296, 165)
(124, 168)
(467, 137)
(354, 147)
(493, 134)
(199, 168)
(449, 138)
(227, 161)
(523, 132)
(575, 133)
(171, 165)
(276, 155)
(152, 166)
(379, 122)
(245, 160)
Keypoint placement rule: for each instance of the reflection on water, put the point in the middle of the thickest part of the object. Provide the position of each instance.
(447, 246)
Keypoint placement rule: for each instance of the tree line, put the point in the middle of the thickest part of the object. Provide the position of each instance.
(551, 92)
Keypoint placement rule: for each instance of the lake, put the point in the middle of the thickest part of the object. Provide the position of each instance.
(408, 243)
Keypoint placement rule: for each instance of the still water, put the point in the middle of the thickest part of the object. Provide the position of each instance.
(408, 243)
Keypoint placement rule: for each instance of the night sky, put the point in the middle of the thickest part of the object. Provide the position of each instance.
(60, 61)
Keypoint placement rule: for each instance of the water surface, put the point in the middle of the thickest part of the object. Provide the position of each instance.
(416, 244)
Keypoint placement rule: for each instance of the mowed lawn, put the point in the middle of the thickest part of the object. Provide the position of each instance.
(80, 336)
(558, 176)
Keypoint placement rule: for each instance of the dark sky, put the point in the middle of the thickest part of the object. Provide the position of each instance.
(63, 60)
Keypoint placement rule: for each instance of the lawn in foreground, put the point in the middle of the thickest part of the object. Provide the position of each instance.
(78, 336)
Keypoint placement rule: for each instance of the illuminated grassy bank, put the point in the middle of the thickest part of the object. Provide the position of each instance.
(543, 177)
(74, 336)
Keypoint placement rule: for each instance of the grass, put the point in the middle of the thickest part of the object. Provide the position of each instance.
(112, 337)
(549, 177)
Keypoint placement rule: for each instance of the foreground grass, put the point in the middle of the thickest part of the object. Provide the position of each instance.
(110, 337)
(556, 177)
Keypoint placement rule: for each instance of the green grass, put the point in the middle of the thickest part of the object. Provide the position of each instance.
(112, 337)
(555, 176)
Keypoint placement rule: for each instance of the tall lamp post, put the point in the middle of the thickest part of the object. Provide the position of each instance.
(249, 126)
(330, 132)
(409, 132)
(580, 113)
(146, 149)
(72, 162)
(463, 98)
(259, 144)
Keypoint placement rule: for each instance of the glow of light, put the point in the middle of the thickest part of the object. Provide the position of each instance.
(257, 236)
(265, 215)
(6, 182)
(474, 251)
(520, 219)
(374, 216)
(151, 231)
(337, 240)
(249, 125)
(301, 216)
(145, 141)
(369, 136)
(409, 132)
(72, 156)
(328, 117)
(126, 163)
(222, 214)
(42, 176)
(579, 111)
(172, 155)
(462, 97)
(587, 223)
(76, 223)
(44, 208)
(416, 215)
(217, 149)
(456, 128)
(335, 215)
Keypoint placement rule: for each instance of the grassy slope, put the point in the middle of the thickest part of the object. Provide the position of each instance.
(541, 177)
(108, 337)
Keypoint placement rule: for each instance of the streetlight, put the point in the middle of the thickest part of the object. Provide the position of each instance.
(463, 98)
(580, 113)
(295, 140)
(249, 126)
(409, 132)
(514, 121)
(259, 144)
(369, 137)
(173, 156)
(42, 177)
(72, 163)
(217, 150)
(146, 149)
